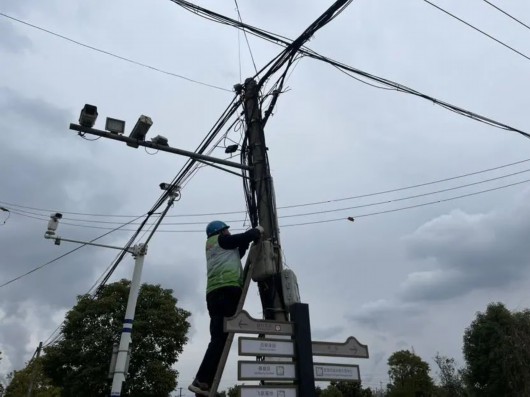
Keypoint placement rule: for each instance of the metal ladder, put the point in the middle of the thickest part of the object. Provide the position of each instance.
(247, 275)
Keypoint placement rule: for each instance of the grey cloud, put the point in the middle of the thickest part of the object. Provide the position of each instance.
(467, 252)
(382, 314)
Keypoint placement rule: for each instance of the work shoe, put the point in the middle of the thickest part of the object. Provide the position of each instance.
(199, 388)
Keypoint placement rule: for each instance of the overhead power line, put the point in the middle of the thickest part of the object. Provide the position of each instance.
(344, 209)
(508, 15)
(478, 30)
(246, 37)
(411, 206)
(18, 207)
(283, 41)
(122, 58)
(373, 204)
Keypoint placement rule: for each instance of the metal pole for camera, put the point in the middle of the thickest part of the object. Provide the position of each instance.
(120, 363)
(125, 339)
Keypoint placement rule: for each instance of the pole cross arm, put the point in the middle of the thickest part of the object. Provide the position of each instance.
(152, 145)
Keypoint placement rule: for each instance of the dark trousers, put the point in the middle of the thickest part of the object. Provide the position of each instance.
(221, 302)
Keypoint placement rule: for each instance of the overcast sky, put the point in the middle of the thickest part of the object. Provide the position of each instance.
(409, 279)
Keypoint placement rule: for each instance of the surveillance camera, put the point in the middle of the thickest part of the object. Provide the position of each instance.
(164, 186)
(140, 129)
(160, 140)
(53, 223)
(88, 115)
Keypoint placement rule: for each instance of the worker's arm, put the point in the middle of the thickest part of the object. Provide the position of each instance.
(240, 241)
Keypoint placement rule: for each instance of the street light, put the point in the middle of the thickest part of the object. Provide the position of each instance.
(114, 125)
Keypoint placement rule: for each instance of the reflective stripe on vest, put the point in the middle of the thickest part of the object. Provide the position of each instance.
(223, 266)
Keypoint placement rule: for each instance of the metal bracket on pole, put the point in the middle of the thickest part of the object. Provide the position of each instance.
(152, 145)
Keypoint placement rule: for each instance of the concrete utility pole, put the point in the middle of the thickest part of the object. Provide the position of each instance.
(262, 184)
(34, 372)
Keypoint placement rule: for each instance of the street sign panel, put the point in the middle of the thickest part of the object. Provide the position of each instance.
(350, 348)
(268, 391)
(243, 323)
(325, 371)
(265, 370)
(266, 347)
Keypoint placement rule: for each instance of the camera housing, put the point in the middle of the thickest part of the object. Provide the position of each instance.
(140, 129)
(88, 115)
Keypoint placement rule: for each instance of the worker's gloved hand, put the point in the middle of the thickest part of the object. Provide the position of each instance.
(261, 229)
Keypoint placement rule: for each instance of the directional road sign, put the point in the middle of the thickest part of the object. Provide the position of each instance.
(350, 348)
(266, 347)
(325, 371)
(265, 370)
(268, 391)
(243, 323)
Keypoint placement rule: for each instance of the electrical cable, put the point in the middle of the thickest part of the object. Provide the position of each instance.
(378, 212)
(177, 182)
(185, 171)
(61, 256)
(356, 207)
(505, 13)
(411, 206)
(377, 193)
(283, 41)
(114, 55)
(478, 30)
(246, 38)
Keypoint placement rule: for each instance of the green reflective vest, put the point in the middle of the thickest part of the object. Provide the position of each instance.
(223, 266)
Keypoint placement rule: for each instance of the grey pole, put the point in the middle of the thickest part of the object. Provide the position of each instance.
(33, 372)
(273, 307)
(125, 339)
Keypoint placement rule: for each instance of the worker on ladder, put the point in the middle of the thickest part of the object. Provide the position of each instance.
(223, 291)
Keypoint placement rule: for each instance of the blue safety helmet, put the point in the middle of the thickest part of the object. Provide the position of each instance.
(215, 227)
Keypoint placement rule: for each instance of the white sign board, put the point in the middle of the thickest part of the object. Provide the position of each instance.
(350, 348)
(268, 391)
(265, 370)
(266, 347)
(324, 371)
(243, 323)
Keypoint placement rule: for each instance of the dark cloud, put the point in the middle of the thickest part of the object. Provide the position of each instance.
(468, 251)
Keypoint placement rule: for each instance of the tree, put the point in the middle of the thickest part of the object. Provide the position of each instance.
(233, 391)
(497, 353)
(409, 375)
(351, 389)
(451, 378)
(79, 363)
(331, 391)
(19, 382)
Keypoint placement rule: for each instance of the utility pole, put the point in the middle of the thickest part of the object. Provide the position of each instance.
(34, 371)
(262, 184)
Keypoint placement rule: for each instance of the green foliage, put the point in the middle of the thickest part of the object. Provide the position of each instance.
(409, 375)
(19, 382)
(331, 391)
(351, 389)
(233, 391)
(451, 378)
(497, 353)
(344, 389)
(79, 363)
